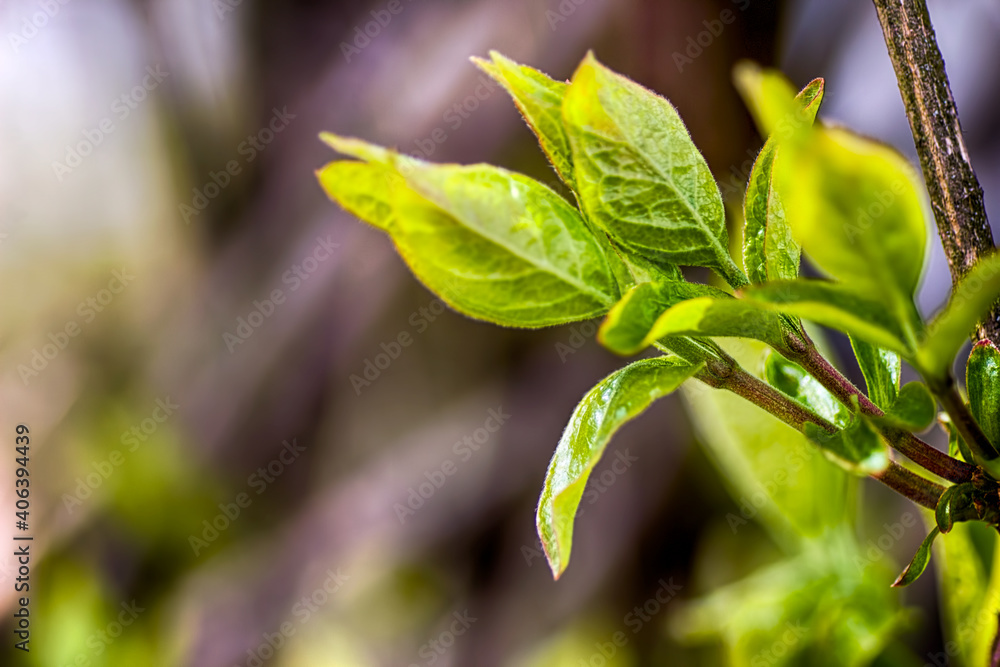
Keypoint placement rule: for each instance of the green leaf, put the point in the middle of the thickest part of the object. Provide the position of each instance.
(919, 562)
(833, 305)
(492, 244)
(769, 250)
(640, 177)
(769, 96)
(818, 608)
(857, 447)
(881, 369)
(775, 474)
(610, 404)
(969, 302)
(982, 380)
(792, 380)
(627, 326)
(957, 446)
(855, 207)
(653, 311)
(539, 99)
(913, 410)
(720, 316)
(969, 595)
(954, 505)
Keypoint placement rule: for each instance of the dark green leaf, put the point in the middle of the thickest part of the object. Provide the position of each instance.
(919, 562)
(793, 380)
(539, 99)
(982, 379)
(640, 177)
(611, 403)
(881, 369)
(769, 250)
(948, 331)
(836, 306)
(913, 409)
(494, 245)
(953, 506)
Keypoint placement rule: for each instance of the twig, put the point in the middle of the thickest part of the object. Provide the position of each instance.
(955, 193)
(902, 441)
(921, 491)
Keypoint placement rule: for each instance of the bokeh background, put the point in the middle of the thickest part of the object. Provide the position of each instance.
(156, 195)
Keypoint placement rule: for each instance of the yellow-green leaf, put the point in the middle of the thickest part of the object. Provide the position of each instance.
(614, 401)
(639, 175)
(492, 244)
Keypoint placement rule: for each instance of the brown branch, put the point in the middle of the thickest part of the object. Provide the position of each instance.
(902, 441)
(918, 489)
(955, 193)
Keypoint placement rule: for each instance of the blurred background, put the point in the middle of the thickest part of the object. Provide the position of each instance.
(236, 459)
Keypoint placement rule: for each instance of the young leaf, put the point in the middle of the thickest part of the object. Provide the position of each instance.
(970, 300)
(953, 505)
(769, 250)
(982, 379)
(769, 96)
(494, 245)
(919, 562)
(913, 409)
(957, 447)
(881, 369)
(792, 380)
(833, 305)
(539, 99)
(626, 328)
(857, 447)
(640, 177)
(719, 316)
(855, 207)
(611, 403)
